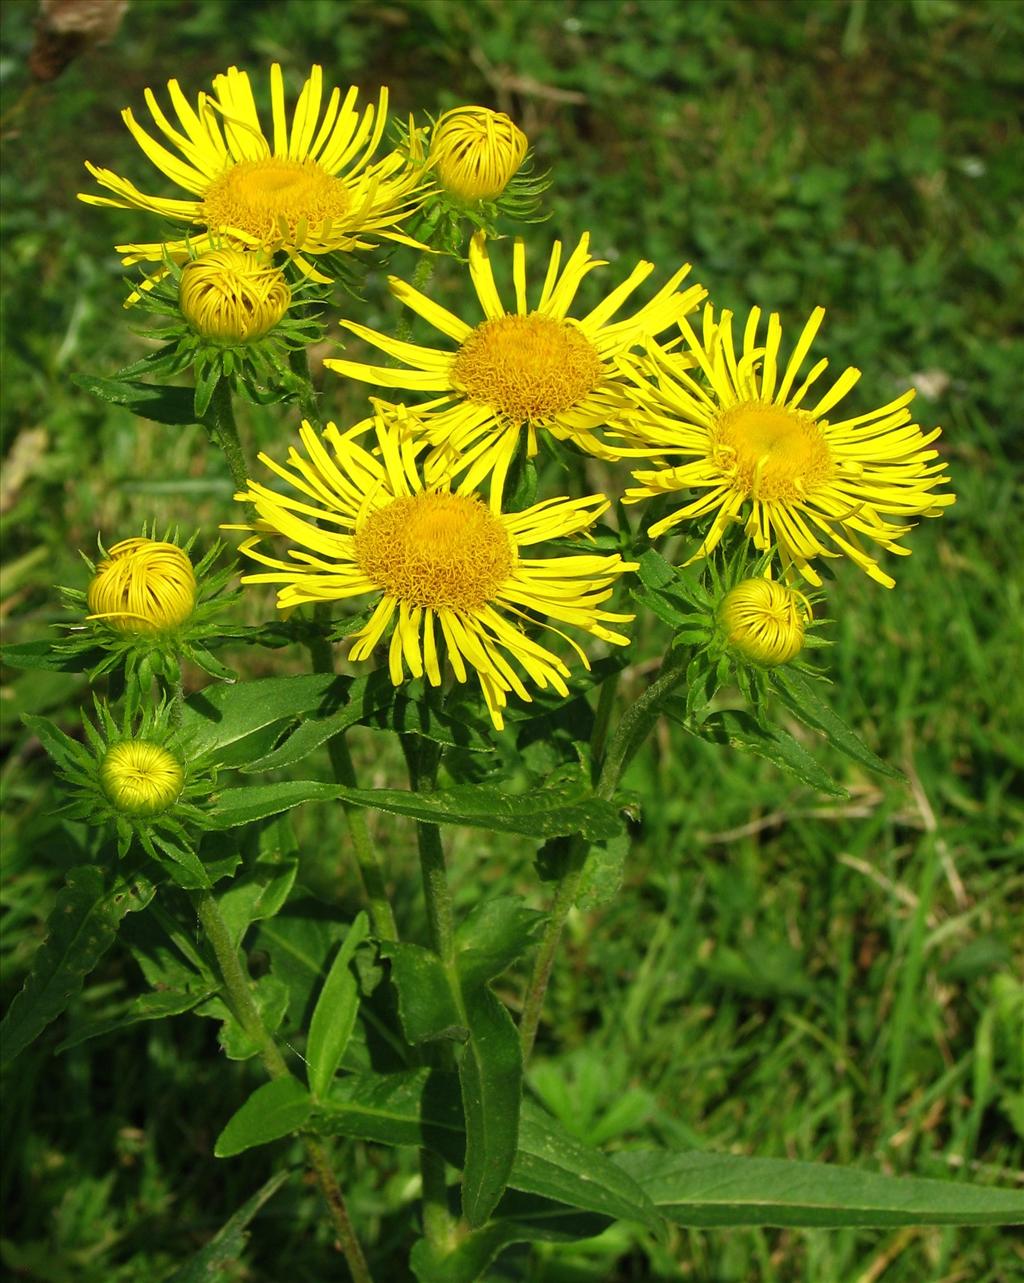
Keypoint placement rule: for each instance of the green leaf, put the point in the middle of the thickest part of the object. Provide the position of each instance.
(491, 1077)
(427, 1007)
(493, 936)
(804, 700)
(234, 807)
(299, 941)
(544, 812)
(271, 996)
(259, 893)
(163, 404)
(699, 1189)
(148, 1006)
(221, 715)
(45, 655)
(80, 929)
(421, 1107)
(227, 1245)
(276, 1109)
(362, 697)
(740, 730)
(335, 1014)
(603, 871)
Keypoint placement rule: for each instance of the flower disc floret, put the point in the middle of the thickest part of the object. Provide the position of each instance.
(233, 296)
(435, 550)
(764, 620)
(476, 152)
(141, 778)
(143, 586)
(529, 368)
(275, 198)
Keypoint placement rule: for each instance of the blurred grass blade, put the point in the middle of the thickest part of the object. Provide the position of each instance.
(227, 1245)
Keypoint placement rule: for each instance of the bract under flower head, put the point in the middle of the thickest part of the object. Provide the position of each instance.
(436, 560)
(143, 586)
(233, 296)
(141, 778)
(475, 152)
(310, 190)
(764, 620)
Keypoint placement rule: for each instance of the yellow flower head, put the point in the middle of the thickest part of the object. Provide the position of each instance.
(764, 620)
(143, 586)
(475, 152)
(310, 189)
(232, 296)
(528, 370)
(744, 441)
(141, 778)
(443, 566)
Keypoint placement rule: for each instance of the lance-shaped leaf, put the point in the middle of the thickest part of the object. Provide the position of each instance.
(234, 807)
(226, 1246)
(276, 1109)
(148, 1006)
(427, 1006)
(699, 1189)
(218, 716)
(804, 700)
(421, 1107)
(81, 928)
(544, 812)
(162, 404)
(335, 1014)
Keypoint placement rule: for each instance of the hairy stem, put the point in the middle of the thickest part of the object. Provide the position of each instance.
(309, 405)
(223, 432)
(239, 996)
(634, 727)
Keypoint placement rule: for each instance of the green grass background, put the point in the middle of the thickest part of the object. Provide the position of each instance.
(778, 976)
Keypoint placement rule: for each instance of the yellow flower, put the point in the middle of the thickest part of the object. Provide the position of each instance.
(764, 620)
(141, 778)
(437, 560)
(810, 486)
(143, 586)
(233, 296)
(530, 369)
(314, 190)
(475, 152)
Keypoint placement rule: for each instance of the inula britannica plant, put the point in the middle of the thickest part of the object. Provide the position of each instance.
(581, 505)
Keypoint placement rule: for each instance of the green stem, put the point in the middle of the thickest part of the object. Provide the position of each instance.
(440, 1228)
(309, 405)
(224, 433)
(238, 992)
(371, 872)
(632, 730)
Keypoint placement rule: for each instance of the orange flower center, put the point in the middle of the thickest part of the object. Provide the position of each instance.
(530, 368)
(770, 452)
(436, 551)
(275, 201)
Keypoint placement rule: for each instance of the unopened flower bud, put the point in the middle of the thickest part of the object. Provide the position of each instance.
(764, 621)
(141, 778)
(232, 296)
(143, 586)
(475, 152)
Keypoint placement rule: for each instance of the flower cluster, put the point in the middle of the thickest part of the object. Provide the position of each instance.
(422, 505)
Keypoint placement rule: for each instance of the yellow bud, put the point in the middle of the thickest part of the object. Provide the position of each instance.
(232, 296)
(141, 778)
(144, 586)
(764, 620)
(476, 151)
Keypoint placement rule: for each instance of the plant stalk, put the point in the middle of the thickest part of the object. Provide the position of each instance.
(238, 992)
(223, 432)
(636, 724)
